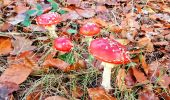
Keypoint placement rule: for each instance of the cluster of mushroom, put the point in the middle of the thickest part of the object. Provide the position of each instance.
(109, 51)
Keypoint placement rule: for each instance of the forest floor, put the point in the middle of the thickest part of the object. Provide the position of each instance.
(31, 69)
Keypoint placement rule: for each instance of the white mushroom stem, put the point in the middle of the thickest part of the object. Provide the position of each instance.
(106, 78)
(51, 30)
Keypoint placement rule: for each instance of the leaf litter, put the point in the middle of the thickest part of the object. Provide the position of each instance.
(143, 26)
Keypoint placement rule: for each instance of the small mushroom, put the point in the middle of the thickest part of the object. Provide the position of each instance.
(111, 53)
(63, 44)
(48, 21)
(88, 30)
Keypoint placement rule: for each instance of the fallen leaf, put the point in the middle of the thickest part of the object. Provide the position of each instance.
(165, 96)
(99, 94)
(6, 88)
(72, 15)
(77, 92)
(5, 45)
(130, 79)
(17, 19)
(161, 43)
(56, 63)
(16, 73)
(34, 96)
(164, 81)
(75, 2)
(21, 44)
(21, 7)
(80, 64)
(5, 26)
(146, 42)
(87, 13)
(120, 79)
(7, 2)
(140, 77)
(144, 64)
(56, 98)
(123, 41)
(147, 95)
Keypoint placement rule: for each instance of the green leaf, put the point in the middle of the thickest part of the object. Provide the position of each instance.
(54, 7)
(26, 21)
(67, 57)
(62, 11)
(90, 58)
(39, 12)
(131, 64)
(39, 7)
(31, 12)
(50, 0)
(72, 31)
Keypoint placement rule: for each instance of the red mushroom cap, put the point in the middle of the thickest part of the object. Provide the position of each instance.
(63, 44)
(89, 29)
(109, 51)
(48, 19)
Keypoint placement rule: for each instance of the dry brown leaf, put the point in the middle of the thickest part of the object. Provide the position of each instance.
(7, 2)
(56, 63)
(165, 96)
(80, 64)
(120, 79)
(21, 8)
(99, 94)
(147, 95)
(77, 92)
(34, 96)
(87, 13)
(72, 15)
(5, 45)
(164, 81)
(56, 98)
(16, 73)
(146, 42)
(21, 44)
(5, 26)
(75, 2)
(130, 79)
(140, 77)
(161, 43)
(19, 69)
(6, 88)
(144, 64)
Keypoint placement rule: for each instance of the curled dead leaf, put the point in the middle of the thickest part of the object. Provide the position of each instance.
(120, 79)
(21, 44)
(80, 64)
(5, 45)
(146, 42)
(140, 77)
(55, 62)
(130, 79)
(144, 64)
(99, 94)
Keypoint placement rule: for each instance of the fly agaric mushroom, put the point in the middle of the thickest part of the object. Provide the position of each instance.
(111, 53)
(48, 21)
(88, 30)
(63, 44)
